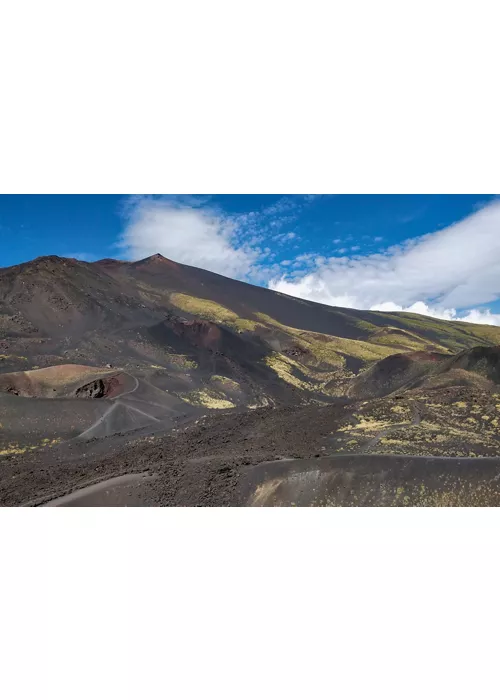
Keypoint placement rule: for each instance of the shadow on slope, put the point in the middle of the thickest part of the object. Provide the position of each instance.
(478, 367)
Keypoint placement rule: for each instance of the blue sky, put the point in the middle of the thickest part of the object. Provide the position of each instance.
(437, 254)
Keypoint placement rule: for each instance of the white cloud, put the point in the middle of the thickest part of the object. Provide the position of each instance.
(190, 230)
(201, 237)
(481, 316)
(284, 237)
(282, 205)
(419, 307)
(455, 268)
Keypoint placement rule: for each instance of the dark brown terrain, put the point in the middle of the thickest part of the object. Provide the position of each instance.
(197, 389)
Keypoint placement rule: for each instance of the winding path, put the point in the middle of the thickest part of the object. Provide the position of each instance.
(115, 404)
(130, 391)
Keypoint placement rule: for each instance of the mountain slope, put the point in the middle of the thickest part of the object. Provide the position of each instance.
(156, 312)
(477, 367)
(113, 367)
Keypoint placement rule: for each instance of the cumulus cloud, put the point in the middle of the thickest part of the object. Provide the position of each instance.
(200, 236)
(436, 274)
(419, 307)
(190, 230)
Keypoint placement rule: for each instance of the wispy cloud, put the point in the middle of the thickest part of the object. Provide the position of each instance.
(200, 236)
(282, 238)
(455, 268)
(438, 274)
(281, 206)
(192, 230)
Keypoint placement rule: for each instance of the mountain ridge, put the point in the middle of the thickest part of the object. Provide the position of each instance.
(50, 305)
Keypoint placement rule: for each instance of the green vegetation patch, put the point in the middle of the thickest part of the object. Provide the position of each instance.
(450, 424)
(362, 349)
(283, 366)
(330, 349)
(14, 448)
(260, 402)
(208, 398)
(453, 335)
(211, 311)
(330, 383)
(181, 361)
(230, 384)
(406, 340)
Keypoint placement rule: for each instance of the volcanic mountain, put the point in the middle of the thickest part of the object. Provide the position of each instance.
(56, 310)
(99, 350)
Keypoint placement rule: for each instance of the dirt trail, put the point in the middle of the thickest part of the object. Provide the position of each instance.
(130, 391)
(98, 421)
(112, 408)
(341, 480)
(126, 490)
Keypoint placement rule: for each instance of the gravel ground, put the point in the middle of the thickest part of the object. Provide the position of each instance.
(198, 464)
(270, 456)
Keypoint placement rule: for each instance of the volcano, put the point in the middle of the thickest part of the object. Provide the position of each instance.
(99, 360)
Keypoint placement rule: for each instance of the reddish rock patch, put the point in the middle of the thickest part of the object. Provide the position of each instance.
(202, 334)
